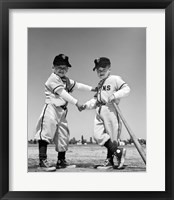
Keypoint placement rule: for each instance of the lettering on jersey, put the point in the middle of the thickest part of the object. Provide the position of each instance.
(106, 87)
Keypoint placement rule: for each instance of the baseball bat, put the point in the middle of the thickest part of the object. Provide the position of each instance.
(135, 140)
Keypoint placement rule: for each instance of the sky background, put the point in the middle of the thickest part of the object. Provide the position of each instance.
(126, 48)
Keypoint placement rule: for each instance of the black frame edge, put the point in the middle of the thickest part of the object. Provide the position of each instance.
(168, 98)
(87, 4)
(4, 158)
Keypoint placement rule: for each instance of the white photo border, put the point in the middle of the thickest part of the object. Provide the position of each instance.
(154, 21)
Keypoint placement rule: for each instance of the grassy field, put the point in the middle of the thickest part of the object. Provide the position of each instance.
(86, 157)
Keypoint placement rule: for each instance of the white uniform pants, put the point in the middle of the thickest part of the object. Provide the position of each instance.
(107, 124)
(52, 126)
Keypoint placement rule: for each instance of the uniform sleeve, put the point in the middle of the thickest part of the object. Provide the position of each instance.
(81, 86)
(54, 84)
(122, 89)
(91, 104)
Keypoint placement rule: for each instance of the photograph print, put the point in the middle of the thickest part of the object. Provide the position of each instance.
(86, 100)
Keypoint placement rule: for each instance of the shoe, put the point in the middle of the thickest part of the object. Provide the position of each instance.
(45, 166)
(120, 155)
(64, 164)
(108, 163)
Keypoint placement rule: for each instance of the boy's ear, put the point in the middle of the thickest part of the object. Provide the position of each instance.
(109, 67)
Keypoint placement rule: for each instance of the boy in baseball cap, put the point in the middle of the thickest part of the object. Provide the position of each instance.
(52, 124)
(107, 123)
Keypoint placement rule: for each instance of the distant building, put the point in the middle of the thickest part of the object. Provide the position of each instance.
(79, 142)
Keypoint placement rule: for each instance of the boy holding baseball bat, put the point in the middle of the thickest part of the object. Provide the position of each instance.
(107, 123)
(52, 124)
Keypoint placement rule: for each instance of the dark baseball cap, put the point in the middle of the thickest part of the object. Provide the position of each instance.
(101, 62)
(61, 59)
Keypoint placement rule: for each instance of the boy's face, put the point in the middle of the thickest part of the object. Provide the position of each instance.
(103, 72)
(60, 70)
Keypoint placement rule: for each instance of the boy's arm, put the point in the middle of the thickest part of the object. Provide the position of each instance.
(91, 104)
(123, 92)
(81, 86)
(66, 96)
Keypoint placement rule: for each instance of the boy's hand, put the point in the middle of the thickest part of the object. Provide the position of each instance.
(80, 106)
(83, 107)
(111, 98)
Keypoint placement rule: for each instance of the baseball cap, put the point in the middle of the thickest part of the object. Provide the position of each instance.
(61, 59)
(101, 62)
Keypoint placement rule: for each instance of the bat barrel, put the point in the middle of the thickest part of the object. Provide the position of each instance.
(135, 140)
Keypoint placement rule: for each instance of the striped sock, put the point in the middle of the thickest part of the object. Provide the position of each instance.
(61, 155)
(42, 149)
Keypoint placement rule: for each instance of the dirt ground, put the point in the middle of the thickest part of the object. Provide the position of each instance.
(86, 157)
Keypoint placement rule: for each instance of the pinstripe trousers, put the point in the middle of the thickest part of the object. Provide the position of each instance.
(52, 125)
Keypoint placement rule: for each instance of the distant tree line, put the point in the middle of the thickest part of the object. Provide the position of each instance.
(35, 142)
(130, 141)
(90, 141)
(82, 141)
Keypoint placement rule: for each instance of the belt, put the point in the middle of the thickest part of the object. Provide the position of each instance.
(99, 103)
